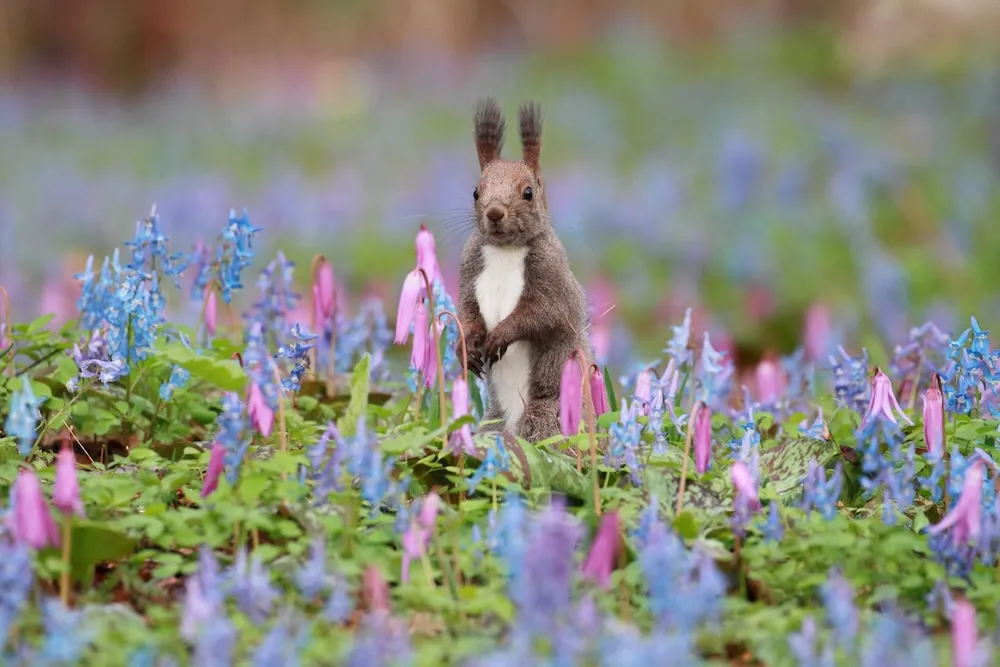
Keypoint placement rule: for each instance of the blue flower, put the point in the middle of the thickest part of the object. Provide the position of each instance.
(150, 247)
(178, 378)
(250, 584)
(773, 529)
(16, 579)
(66, 634)
(822, 494)
(232, 424)
(496, 460)
(22, 421)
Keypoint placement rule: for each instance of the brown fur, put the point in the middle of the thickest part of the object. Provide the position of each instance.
(552, 311)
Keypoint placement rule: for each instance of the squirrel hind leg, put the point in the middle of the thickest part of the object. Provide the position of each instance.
(541, 419)
(492, 413)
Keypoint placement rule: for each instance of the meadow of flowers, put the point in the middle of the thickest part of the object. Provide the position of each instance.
(220, 453)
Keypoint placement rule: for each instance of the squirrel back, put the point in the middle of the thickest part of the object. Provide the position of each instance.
(523, 310)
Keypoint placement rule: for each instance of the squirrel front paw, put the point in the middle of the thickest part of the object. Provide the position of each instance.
(496, 344)
(474, 339)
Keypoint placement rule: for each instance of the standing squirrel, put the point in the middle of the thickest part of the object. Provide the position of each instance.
(522, 309)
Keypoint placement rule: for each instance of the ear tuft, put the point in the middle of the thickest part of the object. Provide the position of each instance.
(489, 128)
(529, 118)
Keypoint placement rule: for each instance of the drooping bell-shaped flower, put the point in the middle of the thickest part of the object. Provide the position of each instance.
(702, 438)
(934, 417)
(29, 519)
(374, 590)
(66, 492)
(963, 634)
(598, 391)
(770, 382)
(323, 290)
(459, 409)
(211, 310)
(817, 332)
(421, 339)
(261, 414)
(216, 464)
(408, 298)
(418, 535)
(601, 559)
(746, 489)
(965, 518)
(644, 389)
(570, 397)
(883, 401)
(427, 254)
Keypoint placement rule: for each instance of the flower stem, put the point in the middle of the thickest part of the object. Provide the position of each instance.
(437, 357)
(67, 537)
(588, 406)
(687, 450)
(465, 374)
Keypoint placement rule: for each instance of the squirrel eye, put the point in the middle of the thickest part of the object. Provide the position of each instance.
(527, 194)
(475, 194)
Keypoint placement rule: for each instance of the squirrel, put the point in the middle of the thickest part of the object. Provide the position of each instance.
(523, 311)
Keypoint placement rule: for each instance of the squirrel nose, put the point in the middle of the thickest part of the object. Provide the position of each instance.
(495, 213)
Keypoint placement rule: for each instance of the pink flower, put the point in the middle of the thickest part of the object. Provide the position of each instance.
(5, 340)
(744, 485)
(430, 360)
(261, 414)
(30, 520)
(66, 492)
(964, 517)
(459, 409)
(963, 634)
(702, 438)
(644, 389)
(374, 589)
(323, 290)
(319, 316)
(770, 382)
(817, 332)
(211, 311)
(216, 463)
(408, 298)
(934, 417)
(570, 397)
(421, 339)
(600, 562)
(598, 391)
(418, 535)
(883, 400)
(427, 254)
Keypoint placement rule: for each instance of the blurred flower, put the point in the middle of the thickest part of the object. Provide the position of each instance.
(820, 494)
(702, 438)
(963, 635)
(216, 464)
(644, 389)
(841, 612)
(418, 535)
(604, 551)
(211, 311)
(625, 437)
(249, 582)
(964, 519)
(178, 378)
(770, 382)
(374, 590)
(29, 518)
(66, 634)
(678, 345)
(260, 413)
(807, 647)
(16, 581)
(230, 435)
(745, 500)
(22, 421)
(324, 291)
(570, 397)
(773, 529)
(817, 335)
(934, 417)
(66, 491)
(496, 460)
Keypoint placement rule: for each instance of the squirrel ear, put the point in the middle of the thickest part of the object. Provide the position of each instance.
(489, 127)
(529, 118)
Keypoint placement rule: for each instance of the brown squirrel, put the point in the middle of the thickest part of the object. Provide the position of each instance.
(522, 309)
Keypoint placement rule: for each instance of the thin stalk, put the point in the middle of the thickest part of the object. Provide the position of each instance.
(687, 450)
(127, 426)
(282, 435)
(204, 305)
(588, 405)
(67, 536)
(465, 376)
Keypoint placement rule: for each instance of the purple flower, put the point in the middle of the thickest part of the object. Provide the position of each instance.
(66, 493)
(702, 438)
(883, 401)
(570, 397)
(408, 299)
(934, 417)
(216, 464)
(29, 518)
(964, 519)
(601, 559)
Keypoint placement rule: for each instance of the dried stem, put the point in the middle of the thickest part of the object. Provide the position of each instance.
(588, 406)
(687, 450)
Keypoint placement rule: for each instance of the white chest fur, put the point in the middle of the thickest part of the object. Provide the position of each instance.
(498, 290)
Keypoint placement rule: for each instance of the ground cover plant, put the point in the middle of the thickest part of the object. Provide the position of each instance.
(270, 487)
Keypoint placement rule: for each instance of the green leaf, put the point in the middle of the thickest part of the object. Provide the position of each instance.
(358, 405)
(610, 387)
(686, 525)
(786, 465)
(40, 322)
(94, 543)
(225, 374)
(548, 469)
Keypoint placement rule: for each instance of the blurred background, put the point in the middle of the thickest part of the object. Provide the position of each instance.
(749, 158)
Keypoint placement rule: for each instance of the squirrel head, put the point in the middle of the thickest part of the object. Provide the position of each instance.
(509, 199)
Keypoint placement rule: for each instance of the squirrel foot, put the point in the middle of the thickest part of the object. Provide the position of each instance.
(540, 420)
